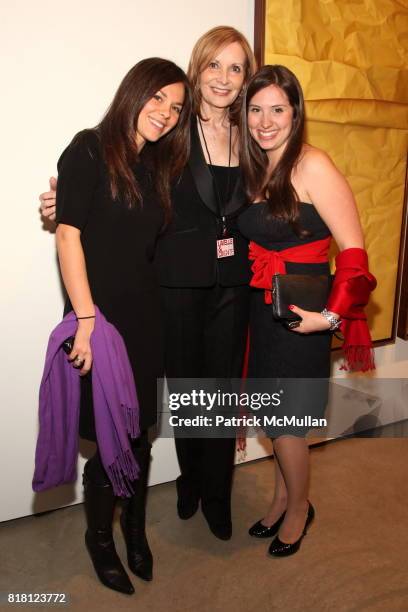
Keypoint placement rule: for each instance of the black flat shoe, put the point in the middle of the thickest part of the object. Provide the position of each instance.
(259, 530)
(187, 502)
(222, 532)
(218, 517)
(284, 549)
(186, 508)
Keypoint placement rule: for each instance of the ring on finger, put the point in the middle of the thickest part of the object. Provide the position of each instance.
(293, 324)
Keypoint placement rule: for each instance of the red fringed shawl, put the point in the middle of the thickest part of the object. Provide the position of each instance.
(350, 293)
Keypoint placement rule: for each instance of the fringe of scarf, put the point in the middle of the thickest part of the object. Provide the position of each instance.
(122, 472)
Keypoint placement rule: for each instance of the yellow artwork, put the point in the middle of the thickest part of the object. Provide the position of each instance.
(351, 58)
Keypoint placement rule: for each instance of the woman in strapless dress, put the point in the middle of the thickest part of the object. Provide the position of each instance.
(298, 201)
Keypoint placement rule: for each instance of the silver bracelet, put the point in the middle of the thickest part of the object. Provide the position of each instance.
(333, 320)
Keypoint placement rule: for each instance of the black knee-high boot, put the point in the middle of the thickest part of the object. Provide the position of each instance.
(133, 517)
(99, 508)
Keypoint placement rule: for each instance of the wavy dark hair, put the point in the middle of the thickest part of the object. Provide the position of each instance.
(117, 132)
(276, 188)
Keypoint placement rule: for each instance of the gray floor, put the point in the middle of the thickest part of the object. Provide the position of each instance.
(354, 558)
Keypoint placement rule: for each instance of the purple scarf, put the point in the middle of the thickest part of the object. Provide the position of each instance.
(116, 409)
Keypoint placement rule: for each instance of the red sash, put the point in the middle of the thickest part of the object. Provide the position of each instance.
(267, 263)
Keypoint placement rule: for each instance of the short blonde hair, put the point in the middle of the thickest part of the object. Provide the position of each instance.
(206, 48)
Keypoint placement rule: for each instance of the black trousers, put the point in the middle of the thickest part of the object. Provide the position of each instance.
(205, 337)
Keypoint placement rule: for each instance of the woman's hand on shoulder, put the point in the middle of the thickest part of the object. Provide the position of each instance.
(332, 197)
(311, 321)
(48, 199)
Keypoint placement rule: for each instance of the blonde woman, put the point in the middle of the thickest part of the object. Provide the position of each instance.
(205, 296)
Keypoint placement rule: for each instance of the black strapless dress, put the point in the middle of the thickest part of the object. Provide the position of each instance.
(276, 353)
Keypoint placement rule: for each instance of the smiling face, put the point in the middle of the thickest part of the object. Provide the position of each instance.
(270, 119)
(221, 81)
(160, 114)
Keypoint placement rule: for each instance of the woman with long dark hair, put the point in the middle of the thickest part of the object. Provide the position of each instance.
(205, 295)
(299, 199)
(113, 198)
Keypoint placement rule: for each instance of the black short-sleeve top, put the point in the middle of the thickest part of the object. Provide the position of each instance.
(118, 240)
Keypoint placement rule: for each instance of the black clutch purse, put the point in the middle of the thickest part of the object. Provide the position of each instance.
(68, 344)
(307, 291)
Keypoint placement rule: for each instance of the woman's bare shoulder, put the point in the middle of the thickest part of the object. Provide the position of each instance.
(312, 159)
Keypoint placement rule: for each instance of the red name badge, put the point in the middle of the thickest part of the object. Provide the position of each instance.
(225, 247)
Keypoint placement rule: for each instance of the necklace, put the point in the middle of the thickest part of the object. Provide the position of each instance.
(221, 202)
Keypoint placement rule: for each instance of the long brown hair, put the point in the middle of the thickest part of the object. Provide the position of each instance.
(276, 188)
(117, 132)
(205, 49)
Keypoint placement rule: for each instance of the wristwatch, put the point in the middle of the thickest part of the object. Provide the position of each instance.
(332, 319)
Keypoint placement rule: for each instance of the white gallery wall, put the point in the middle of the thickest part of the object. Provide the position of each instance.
(61, 63)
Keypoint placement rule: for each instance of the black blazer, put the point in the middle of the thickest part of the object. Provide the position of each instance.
(186, 252)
